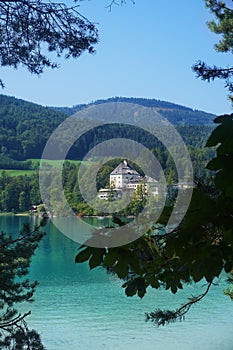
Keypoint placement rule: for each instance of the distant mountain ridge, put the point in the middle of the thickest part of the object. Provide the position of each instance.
(176, 114)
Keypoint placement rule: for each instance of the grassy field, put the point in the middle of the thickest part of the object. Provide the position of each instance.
(17, 172)
(53, 163)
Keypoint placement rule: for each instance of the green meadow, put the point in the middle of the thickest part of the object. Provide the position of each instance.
(15, 172)
(35, 164)
(54, 163)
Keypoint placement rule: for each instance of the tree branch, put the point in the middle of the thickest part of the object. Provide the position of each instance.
(27, 26)
(162, 317)
(14, 321)
(117, 3)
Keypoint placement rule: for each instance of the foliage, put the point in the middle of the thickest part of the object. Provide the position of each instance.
(30, 28)
(176, 114)
(9, 163)
(120, 2)
(222, 26)
(18, 194)
(162, 317)
(18, 118)
(229, 291)
(15, 258)
(200, 248)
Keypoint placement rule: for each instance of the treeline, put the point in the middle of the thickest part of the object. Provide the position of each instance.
(195, 137)
(176, 114)
(25, 128)
(18, 194)
(9, 163)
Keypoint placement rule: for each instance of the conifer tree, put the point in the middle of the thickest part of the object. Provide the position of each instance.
(15, 258)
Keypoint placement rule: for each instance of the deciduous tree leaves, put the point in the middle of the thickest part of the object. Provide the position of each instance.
(200, 248)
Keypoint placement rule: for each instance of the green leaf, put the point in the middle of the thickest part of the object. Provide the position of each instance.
(222, 135)
(84, 255)
(131, 288)
(141, 286)
(223, 181)
(141, 293)
(122, 269)
(197, 273)
(228, 267)
(174, 288)
(97, 258)
(228, 236)
(135, 286)
(216, 163)
(155, 283)
(111, 257)
(222, 118)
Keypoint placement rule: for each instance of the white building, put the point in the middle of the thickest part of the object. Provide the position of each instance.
(124, 176)
(106, 193)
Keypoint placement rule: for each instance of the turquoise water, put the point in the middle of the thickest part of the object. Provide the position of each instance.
(76, 308)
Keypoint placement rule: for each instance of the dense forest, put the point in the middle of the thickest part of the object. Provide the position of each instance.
(176, 114)
(25, 128)
(19, 193)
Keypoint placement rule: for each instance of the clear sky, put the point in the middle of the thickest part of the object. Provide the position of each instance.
(145, 50)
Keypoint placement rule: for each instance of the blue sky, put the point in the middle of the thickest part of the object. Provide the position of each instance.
(145, 50)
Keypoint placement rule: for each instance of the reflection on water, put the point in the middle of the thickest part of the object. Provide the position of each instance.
(76, 308)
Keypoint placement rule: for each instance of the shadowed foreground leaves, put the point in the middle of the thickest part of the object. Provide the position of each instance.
(201, 248)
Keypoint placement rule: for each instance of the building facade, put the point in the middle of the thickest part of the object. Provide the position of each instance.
(125, 178)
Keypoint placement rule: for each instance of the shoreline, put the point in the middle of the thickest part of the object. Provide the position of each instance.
(79, 216)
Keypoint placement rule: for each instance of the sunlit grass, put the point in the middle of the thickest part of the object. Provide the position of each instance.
(54, 163)
(14, 172)
(36, 161)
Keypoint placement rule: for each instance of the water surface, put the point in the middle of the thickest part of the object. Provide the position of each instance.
(76, 308)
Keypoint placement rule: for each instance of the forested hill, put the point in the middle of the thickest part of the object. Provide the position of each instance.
(176, 114)
(25, 127)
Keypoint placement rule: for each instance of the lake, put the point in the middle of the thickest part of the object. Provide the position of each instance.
(76, 308)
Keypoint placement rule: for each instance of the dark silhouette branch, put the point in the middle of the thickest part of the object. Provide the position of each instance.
(162, 317)
(15, 321)
(117, 3)
(29, 30)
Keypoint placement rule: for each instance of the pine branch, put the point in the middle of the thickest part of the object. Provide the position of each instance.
(15, 321)
(162, 317)
(118, 3)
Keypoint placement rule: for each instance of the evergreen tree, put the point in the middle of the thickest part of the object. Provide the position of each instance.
(223, 26)
(15, 259)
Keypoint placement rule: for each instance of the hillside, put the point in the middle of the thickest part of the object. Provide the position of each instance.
(25, 127)
(176, 114)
